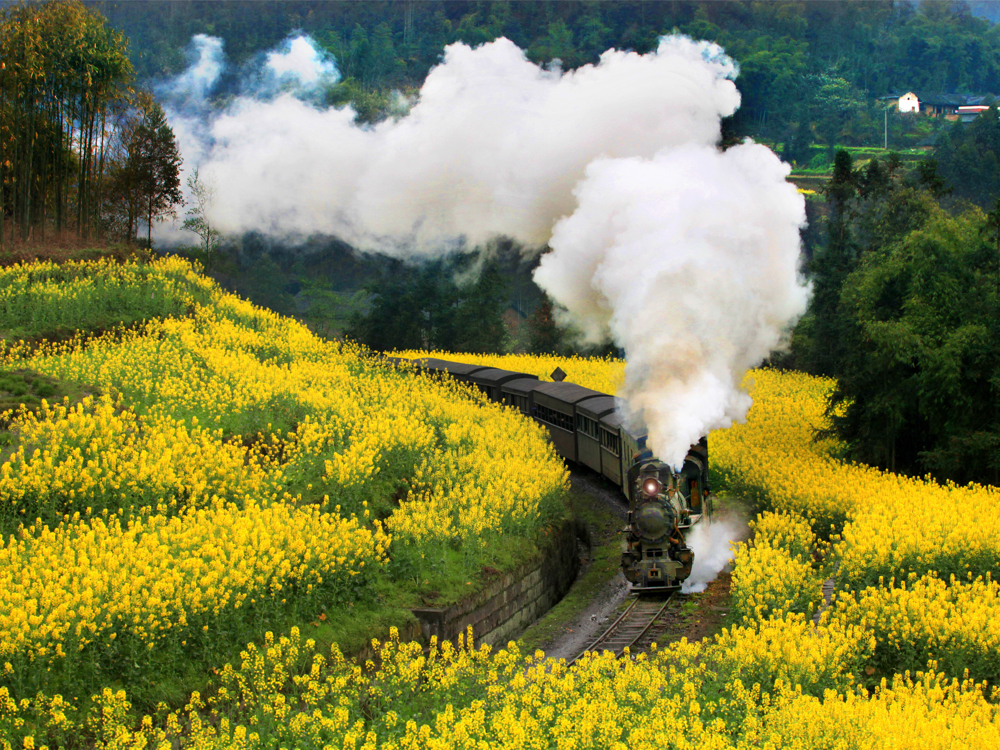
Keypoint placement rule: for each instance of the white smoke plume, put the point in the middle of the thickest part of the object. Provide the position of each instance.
(712, 547)
(185, 99)
(683, 255)
(494, 146)
(689, 262)
(298, 69)
(192, 87)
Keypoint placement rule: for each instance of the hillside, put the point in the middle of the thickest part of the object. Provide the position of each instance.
(233, 478)
(226, 484)
(216, 471)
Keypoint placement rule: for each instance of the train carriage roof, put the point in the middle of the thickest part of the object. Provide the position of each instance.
(563, 396)
(614, 421)
(428, 363)
(595, 408)
(521, 386)
(494, 376)
(452, 368)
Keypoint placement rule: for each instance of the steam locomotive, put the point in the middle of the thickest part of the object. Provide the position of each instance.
(585, 428)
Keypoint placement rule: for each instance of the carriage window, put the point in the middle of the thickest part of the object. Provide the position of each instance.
(587, 426)
(554, 418)
(611, 442)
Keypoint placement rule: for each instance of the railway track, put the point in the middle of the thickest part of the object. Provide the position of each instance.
(634, 627)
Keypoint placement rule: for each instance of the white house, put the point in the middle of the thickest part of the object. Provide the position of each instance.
(909, 102)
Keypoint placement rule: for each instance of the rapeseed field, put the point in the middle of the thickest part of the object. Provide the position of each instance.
(229, 471)
(232, 476)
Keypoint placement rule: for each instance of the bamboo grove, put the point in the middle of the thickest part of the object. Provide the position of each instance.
(70, 127)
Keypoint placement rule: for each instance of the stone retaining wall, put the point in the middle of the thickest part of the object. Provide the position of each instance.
(508, 605)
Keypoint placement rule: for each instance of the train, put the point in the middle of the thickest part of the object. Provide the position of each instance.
(664, 504)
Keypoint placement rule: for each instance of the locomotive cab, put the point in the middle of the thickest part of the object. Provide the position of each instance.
(693, 482)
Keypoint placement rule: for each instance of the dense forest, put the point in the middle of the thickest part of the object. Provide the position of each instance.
(810, 71)
(904, 314)
(902, 247)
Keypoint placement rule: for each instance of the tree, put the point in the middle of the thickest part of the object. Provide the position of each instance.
(159, 165)
(968, 158)
(869, 209)
(990, 232)
(544, 336)
(146, 179)
(929, 177)
(63, 73)
(479, 324)
(919, 384)
(422, 307)
(819, 351)
(197, 216)
(122, 206)
(404, 310)
(557, 45)
(835, 102)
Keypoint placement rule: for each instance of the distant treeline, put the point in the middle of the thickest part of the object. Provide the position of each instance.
(809, 70)
(904, 255)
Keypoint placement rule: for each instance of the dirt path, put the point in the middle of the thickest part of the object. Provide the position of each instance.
(605, 518)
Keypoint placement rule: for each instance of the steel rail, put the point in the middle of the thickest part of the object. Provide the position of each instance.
(611, 630)
(652, 621)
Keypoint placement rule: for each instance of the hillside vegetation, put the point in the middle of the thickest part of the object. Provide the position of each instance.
(220, 472)
(809, 71)
(243, 500)
(207, 511)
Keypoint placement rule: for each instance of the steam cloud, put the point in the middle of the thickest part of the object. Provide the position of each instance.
(689, 262)
(711, 544)
(683, 255)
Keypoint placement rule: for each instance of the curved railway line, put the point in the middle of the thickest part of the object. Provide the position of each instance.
(635, 629)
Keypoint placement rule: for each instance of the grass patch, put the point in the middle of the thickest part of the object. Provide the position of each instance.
(605, 562)
(46, 301)
(353, 627)
(24, 387)
(60, 247)
(441, 575)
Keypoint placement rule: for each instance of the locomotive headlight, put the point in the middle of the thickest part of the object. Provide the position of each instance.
(651, 486)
